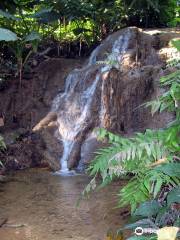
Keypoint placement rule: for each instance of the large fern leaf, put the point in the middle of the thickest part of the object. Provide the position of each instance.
(7, 35)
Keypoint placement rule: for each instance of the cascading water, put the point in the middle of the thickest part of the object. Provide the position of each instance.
(73, 107)
(71, 119)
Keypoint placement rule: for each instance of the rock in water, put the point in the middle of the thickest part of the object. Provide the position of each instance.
(120, 75)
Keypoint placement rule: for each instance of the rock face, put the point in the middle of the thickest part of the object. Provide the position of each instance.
(26, 108)
(121, 75)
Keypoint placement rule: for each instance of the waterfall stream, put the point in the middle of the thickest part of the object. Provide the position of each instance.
(74, 105)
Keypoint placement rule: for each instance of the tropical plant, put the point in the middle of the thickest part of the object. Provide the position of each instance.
(157, 214)
(147, 13)
(84, 20)
(7, 35)
(148, 185)
(138, 155)
(23, 48)
(18, 44)
(153, 160)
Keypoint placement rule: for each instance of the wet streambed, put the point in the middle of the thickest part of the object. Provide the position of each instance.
(46, 205)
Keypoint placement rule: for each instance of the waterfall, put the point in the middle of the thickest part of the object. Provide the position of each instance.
(73, 107)
(71, 119)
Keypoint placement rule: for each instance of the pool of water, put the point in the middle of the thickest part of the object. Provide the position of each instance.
(45, 205)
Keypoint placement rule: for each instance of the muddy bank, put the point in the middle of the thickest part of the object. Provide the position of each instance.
(23, 107)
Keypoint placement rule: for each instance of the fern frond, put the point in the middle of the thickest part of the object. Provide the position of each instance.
(128, 155)
(141, 153)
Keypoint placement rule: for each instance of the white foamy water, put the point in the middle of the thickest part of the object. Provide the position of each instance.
(74, 105)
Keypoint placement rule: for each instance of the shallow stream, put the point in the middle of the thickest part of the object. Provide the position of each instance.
(45, 206)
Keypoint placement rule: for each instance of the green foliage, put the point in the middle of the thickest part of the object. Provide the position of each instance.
(170, 99)
(147, 209)
(152, 214)
(85, 20)
(136, 155)
(80, 23)
(142, 238)
(8, 15)
(20, 51)
(173, 196)
(148, 185)
(176, 44)
(152, 159)
(148, 13)
(18, 46)
(154, 179)
(133, 154)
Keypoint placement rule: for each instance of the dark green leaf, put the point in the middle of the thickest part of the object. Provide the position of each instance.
(148, 209)
(7, 35)
(173, 196)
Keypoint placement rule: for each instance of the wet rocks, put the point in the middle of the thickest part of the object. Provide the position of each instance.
(88, 148)
(22, 109)
(47, 121)
(52, 151)
(122, 74)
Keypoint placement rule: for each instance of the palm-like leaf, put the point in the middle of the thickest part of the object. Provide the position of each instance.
(7, 35)
(8, 15)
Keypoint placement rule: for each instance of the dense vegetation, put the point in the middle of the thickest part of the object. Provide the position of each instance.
(84, 22)
(153, 160)
(72, 27)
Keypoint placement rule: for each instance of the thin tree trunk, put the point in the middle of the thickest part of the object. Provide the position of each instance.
(20, 72)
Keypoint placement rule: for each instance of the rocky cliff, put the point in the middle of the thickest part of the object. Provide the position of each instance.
(120, 75)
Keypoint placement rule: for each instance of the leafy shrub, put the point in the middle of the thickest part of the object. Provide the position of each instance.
(152, 157)
(155, 214)
(90, 20)
(17, 44)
